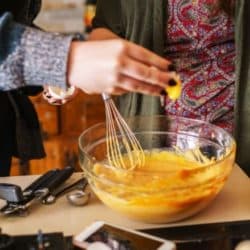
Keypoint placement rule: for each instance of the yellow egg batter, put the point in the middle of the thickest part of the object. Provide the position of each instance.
(170, 186)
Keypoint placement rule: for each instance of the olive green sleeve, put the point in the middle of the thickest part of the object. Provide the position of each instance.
(108, 15)
(242, 88)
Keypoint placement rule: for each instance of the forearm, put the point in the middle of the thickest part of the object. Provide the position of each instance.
(31, 57)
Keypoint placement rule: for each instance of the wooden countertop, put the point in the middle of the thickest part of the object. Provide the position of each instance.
(232, 204)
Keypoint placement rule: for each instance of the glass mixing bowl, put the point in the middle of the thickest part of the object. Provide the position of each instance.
(187, 163)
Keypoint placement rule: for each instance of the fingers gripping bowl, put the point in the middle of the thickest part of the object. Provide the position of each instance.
(187, 163)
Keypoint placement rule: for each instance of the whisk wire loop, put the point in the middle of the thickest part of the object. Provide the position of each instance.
(121, 141)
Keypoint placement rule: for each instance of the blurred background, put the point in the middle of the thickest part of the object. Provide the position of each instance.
(62, 125)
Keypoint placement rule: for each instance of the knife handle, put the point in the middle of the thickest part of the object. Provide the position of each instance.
(59, 178)
(11, 192)
(40, 183)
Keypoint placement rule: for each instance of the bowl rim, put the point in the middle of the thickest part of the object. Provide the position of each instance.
(160, 116)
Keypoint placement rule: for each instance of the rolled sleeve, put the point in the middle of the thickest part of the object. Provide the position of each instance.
(30, 57)
(45, 57)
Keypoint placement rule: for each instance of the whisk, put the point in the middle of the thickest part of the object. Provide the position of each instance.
(123, 148)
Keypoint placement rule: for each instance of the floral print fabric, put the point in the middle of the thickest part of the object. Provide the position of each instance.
(200, 41)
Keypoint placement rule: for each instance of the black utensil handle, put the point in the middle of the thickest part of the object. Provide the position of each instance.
(52, 196)
(59, 178)
(40, 182)
(11, 193)
(83, 182)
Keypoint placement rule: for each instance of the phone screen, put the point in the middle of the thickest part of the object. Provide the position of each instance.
(112, 238)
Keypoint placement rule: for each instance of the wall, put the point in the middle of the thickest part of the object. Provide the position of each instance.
(61, 16)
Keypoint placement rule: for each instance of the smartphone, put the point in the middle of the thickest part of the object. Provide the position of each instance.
(103, 236)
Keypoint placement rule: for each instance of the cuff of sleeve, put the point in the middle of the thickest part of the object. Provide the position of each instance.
(45, 57)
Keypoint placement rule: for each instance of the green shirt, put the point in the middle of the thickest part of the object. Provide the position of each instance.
(242, 111)
(144, 22)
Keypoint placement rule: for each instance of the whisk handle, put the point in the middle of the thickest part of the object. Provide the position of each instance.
(105, 96)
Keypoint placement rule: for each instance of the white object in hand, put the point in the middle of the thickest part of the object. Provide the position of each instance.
(59, 93)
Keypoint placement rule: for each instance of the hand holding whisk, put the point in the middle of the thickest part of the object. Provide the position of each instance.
(123, 148)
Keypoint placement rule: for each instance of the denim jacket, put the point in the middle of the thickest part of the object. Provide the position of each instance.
(29, 58)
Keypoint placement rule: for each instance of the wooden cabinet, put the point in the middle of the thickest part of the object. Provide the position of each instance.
(48, 116)
(61, 127)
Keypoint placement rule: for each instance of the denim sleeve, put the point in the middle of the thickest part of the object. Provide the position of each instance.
(29, 56)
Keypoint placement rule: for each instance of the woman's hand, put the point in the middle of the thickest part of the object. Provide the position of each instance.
(116, 67)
